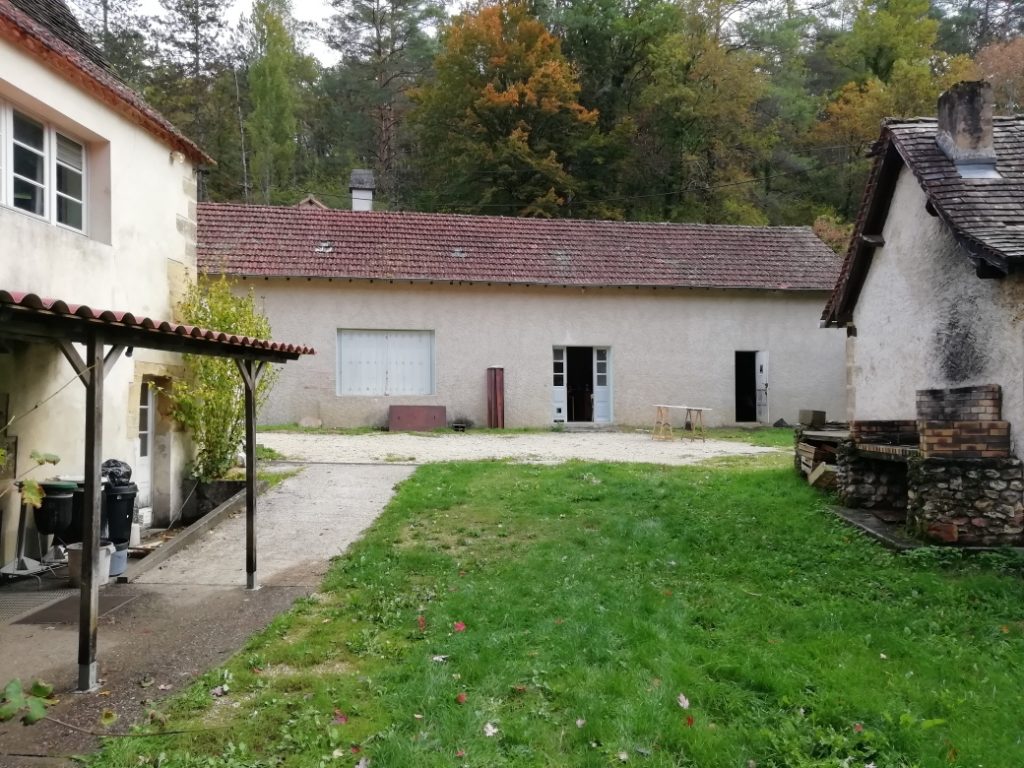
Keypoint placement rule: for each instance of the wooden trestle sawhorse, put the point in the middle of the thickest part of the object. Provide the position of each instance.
(663, 423)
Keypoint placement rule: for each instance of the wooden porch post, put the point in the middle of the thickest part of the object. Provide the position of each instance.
(90, 596)
(91, 372)
(250, 371)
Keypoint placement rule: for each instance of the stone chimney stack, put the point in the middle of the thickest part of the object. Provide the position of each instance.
(361, 184)
(965, 127)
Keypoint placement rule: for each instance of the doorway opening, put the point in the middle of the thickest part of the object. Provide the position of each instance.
(143, 472)
(752, 387)
(580, 383)
(746, 385)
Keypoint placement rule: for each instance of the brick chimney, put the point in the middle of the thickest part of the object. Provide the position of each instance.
(965, 128)
(361, 184)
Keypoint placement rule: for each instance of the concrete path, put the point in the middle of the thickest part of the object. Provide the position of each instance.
(301, 524)
(192, 612)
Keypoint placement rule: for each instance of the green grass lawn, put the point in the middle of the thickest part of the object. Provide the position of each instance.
(596, 614)
(769, 437)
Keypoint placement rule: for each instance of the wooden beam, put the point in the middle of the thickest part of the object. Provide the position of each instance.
(111, 358)
(75, 360)
(89, 601)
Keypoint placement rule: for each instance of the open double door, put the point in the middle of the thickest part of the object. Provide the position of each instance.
(581, 385)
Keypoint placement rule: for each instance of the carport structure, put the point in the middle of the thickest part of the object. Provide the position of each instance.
(106, 335)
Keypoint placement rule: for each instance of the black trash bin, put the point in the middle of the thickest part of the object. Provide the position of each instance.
(118, 507)
(72, 534)
(54, 515)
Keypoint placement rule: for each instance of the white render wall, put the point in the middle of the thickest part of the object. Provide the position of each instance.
(667, 346)
(138, 258)
(925, 320)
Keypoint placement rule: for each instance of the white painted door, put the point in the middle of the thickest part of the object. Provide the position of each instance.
(559, 400)
(602, 385)
(142, 472)
(761, 381)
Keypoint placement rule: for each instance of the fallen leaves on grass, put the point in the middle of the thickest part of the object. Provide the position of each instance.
(490, 730)
(421, 622)
(461, 698)
(340, 717)
(459, 626)
(683, 701)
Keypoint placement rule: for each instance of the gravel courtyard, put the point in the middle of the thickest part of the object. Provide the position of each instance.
(531, 447)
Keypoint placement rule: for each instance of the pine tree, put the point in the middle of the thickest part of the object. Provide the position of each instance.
(272, 90)
(386, 46)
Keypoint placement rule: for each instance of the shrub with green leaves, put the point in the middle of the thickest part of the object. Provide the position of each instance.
(210, 400)
(30, 706)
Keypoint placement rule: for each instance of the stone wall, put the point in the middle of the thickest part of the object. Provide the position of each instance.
(865, 483)
(967, 501)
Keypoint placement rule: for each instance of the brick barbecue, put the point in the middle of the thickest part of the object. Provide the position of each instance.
(951, 471)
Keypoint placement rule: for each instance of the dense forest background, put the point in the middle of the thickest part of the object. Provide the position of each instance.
(724, 111)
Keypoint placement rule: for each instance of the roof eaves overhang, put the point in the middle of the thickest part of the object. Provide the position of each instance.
(873, 213)
(28, 317)
(18, 29)
(497, 281)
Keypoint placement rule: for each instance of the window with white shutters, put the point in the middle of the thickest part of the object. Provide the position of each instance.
(375, 363)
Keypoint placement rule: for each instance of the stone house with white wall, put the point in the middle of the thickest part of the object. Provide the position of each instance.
(931, 295)
(97, 209)
(593, 322)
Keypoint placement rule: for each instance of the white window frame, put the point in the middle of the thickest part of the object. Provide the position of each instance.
(50, 163)
(389, 375)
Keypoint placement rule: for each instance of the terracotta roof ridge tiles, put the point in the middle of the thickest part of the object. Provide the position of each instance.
(519, 220)
(282, 241)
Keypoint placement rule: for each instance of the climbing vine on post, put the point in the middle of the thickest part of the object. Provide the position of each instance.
(209, 401)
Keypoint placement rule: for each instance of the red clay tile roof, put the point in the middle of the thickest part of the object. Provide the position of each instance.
(40, 306)
(49, 36)
(271, 241)
(986, 216)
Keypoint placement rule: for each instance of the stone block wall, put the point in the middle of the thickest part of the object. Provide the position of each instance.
(865, 483)
(976, 502)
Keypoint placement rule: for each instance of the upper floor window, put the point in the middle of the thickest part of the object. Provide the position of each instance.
(42, 171)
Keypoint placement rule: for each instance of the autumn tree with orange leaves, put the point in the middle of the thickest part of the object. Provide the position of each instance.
(500, 126)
